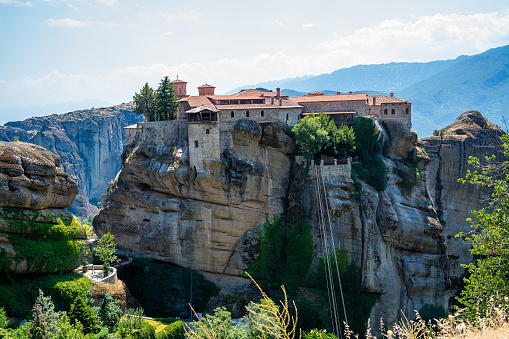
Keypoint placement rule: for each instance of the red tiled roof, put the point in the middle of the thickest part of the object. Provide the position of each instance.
(196, 101)
(383, 99)
(330, 98)
(179, 81)
(206, 86)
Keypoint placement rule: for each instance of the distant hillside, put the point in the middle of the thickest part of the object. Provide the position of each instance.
(480, 83)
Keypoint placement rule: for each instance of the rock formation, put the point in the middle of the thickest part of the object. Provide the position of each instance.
(470, 135)
(161, 208)
(36, 233)
(89, 144)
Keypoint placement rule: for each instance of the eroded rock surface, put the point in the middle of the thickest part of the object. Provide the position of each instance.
(207, 220)
(470, 135)
(89, 144)
(36, 233)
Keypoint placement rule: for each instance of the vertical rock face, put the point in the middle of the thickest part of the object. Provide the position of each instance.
(469, 135)
(88, 142)
(36, 234)
(165, 210)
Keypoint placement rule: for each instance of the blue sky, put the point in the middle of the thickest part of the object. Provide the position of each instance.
(57, 51)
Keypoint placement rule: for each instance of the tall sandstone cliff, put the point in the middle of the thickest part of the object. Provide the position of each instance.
(470, 135)
(89, 144)
(161, 208)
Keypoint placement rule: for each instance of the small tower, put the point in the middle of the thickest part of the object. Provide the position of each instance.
(180, 88)
(206, 89)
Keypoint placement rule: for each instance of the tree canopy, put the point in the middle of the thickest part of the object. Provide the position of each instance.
(489, 274)
(316, 134)
(158, 105)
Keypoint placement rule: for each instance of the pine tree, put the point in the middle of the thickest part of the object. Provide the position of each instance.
(144, 102)
(110, 312)
(45, 318)
(81, 312)
(166, 101)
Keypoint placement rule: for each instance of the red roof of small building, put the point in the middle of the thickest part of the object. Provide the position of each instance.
(206, 86)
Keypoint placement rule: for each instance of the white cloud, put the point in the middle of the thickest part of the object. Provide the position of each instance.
(182, 15)
(279, 23)
(16, 2)
(308, 25)
(168, 33)
(67, 22)
(108, 2)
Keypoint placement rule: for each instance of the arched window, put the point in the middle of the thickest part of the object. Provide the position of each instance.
(262, 113)
(407, 110)
(196, 143)
(385, 111)
(393, 111)
(233, 114)
(247, 114)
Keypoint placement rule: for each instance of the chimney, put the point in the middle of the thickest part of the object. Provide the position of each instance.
(278, 92)
(338, 93)
(392, 94)
(272, 100)
(350, 92)
(280, 102)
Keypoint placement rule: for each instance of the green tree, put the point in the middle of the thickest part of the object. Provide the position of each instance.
(82, 313)
(109, 312)
(217, 326)
(45, 322)
(4, 321)
(145, 102)
(489, 274)
(316, 134)
(105, 250)
(286, 252)
(166, 101)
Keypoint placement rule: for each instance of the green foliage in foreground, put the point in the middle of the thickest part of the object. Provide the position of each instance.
(46, 241)
(165, 290)
(82, 313)
(369, 148)
(174, 331)
(18, 294)
(286, 252)
(489, 274)
(358, 300)
(316, 134)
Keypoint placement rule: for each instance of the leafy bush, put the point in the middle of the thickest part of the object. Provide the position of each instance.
(165, 290)
(103, 333)
(358, 300)
(318, 334)
(218, 326)
(4, 321)
(18, 293)
(286, 252)
(109, 312)
(173, 331)
(369, 146)
(429, 312)
(318, 134)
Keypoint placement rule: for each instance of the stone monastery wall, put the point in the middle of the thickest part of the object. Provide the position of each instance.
(328, 171)
(400, 112)
(161, 132)
(361, 107)
(289, 116)
(203, 143)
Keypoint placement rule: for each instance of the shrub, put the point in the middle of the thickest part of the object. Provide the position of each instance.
(286, 252)
(109, 312)
(103, 333)
(165, 290)
(146, 331)
(430, 312)
(173, 331)
(217, 326)
(318, 334)
(4, 321)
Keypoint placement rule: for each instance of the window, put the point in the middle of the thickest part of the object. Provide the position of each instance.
(262, 113)
(247, 114)
(207, 131)
(233, 114)
(407, 110)
(385, 111)
(393, 111)
(286, 116)
(196, 143)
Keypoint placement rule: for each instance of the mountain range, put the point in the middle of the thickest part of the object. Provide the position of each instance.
(439, 90)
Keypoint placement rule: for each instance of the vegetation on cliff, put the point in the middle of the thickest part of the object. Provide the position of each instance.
(158, 105)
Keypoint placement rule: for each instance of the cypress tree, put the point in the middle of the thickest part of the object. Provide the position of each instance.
(81, 312)
(166, 101)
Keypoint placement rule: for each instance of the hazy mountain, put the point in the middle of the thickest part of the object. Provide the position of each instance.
(480, 82)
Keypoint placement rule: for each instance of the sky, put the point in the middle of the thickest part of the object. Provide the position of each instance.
(60, 51)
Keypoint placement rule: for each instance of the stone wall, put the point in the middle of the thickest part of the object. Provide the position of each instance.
(360, 106)
(288, 116)
(161, 132)
(400, 112)
(130, 134)
(328, 171)
(203, 143)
